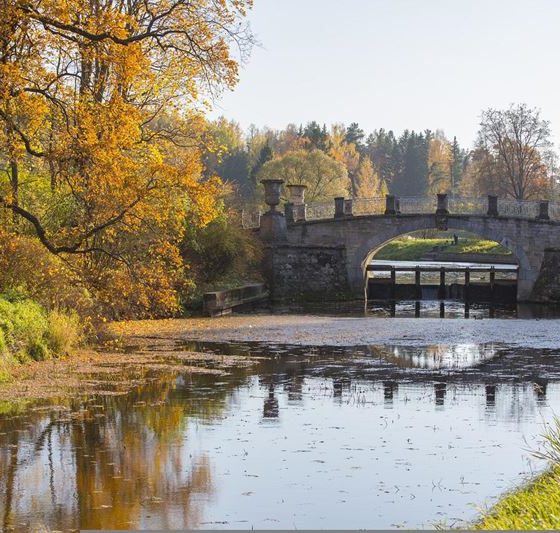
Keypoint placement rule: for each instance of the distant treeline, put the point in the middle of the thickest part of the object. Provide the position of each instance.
(511, 158)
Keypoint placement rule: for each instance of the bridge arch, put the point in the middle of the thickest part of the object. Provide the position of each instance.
(373, 252)
(362, 245)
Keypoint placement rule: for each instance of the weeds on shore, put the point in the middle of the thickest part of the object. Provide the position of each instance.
(28, 332)
(537, 504)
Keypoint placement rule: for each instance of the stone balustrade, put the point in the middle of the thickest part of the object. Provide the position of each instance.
(296, 210)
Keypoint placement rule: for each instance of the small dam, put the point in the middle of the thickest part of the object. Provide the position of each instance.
(469, 282)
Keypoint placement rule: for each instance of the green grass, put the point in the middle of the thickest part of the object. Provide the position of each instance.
(410, 249)
(29, 332)
(536, 505)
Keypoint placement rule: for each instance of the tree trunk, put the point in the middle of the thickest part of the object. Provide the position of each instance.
(14, 183)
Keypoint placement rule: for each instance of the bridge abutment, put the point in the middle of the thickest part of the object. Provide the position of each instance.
(546, 288)
(302, 273)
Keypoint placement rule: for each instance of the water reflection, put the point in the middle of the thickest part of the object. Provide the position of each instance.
(490, 391)
(436, 356)
(270, 409)
(314, 438)
(104, 463)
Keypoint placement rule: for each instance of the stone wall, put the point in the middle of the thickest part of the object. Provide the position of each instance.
(306, 273)
(547, 286)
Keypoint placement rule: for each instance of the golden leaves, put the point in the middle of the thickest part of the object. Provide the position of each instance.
(98, 107)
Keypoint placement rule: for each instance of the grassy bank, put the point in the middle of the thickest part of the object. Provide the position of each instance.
(28, 332)
(536, 505)
(410, 249)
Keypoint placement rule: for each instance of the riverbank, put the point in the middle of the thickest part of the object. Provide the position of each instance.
(534, 506)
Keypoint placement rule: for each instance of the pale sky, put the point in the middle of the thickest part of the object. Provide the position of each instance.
(398, 64)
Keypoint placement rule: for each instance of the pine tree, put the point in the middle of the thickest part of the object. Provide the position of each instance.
(355, 135)
(265, 155)
(412, 179)
(317, 136)
(457, 165)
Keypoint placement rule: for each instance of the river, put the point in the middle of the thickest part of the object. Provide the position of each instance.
(372, 435)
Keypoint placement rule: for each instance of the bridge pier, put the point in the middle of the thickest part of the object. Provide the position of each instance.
(294, 271)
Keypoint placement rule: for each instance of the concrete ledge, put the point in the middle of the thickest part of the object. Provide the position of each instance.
(220, 303)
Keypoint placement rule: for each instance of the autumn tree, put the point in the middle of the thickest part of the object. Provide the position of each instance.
(517, 139)
(226, 156)
(368, 184)
(325, 178)
(483, 174)
(439, 164)
(287, 140)
(344, 152)
(99, 105)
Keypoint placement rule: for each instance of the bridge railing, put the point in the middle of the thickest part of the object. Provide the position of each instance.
(518, 208)
(412, 205)
(468, 205)
(319, 211)
(368, 206)
(416, 205)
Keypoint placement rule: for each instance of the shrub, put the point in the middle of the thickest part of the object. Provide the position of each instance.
(65, 331)
(220, 247)
(29, 332)
(4, 358)
(29, 271)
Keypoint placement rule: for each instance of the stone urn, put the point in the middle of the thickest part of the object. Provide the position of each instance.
(297, 193)
(272, 192)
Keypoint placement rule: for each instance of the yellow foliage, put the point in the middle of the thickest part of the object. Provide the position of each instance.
(100, 107)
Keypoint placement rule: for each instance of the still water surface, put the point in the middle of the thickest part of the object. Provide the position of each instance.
(362, 437)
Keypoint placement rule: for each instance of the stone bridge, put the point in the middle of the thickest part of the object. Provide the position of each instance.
(318, 252)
